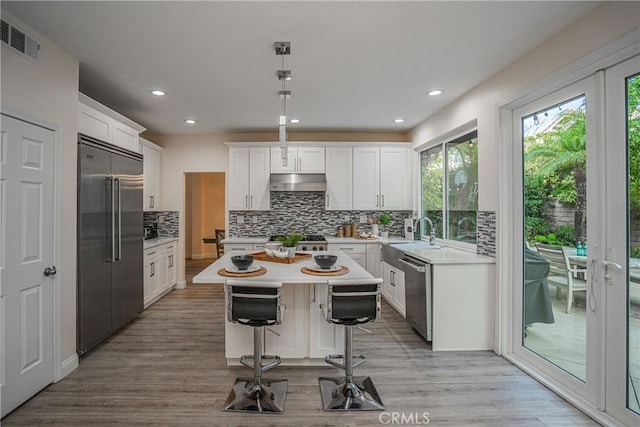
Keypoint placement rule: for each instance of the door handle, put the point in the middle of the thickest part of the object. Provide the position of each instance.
(377, 200)
(152, 201)
(246, 200)
(612, 264)
(251, 201)
(382, 201)
(113, 218)
(119, 255)
(50, 271)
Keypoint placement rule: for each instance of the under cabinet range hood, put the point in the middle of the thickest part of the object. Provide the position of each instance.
(297, 182)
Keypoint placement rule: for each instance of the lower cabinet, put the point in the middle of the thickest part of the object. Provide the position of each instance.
(393, 289)
(160, 275)
(324, 337)
(289, 339)
(356, 251)
(374, 259)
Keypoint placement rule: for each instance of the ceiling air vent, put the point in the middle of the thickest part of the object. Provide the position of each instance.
(19, 41)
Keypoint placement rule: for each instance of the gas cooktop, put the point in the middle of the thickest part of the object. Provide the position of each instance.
(311, 242)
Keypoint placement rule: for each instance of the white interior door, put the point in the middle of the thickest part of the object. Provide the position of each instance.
(26, 250)
(622, 262)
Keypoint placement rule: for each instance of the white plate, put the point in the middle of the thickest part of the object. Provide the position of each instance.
(250, 269)
(325, 270)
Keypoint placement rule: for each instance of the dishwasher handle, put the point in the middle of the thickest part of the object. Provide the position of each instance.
(418, 268)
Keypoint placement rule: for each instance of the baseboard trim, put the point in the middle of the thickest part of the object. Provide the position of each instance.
(68, 365)
(181, 284)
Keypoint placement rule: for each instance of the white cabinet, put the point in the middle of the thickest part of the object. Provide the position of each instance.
(247, 247)
(324, 337)
(151, 168)
(299, 160)
(374, 259)
(249, 178)
(160, 275)
(356, 251)
(393, 288)
(339, 174)
(381, 178)
(289, 339)
(100, 122)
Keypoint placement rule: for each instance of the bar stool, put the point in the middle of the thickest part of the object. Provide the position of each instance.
(351, 303)
(256, 304)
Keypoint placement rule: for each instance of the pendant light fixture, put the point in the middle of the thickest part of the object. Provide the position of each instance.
(282, 49)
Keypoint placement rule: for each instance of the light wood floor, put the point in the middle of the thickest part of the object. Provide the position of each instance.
(168, 368)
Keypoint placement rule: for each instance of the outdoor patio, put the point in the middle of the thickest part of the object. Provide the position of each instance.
(563, 342)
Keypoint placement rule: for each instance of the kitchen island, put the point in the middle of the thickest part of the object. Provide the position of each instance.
(304, 337)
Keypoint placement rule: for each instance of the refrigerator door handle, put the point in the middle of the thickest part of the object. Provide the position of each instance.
(119, 182)
(113, 217)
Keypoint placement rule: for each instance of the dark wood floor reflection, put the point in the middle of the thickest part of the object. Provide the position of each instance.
(168, 368)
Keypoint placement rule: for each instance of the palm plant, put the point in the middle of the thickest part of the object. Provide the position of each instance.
(563, 152)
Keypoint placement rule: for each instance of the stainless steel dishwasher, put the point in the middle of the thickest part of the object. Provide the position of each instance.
(417, 279)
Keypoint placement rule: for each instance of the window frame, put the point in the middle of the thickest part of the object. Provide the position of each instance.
(461, 134)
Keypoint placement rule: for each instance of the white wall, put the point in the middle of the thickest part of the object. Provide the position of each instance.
(605, 24)
(47, 92)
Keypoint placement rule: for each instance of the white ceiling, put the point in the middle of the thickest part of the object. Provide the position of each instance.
(356, 66)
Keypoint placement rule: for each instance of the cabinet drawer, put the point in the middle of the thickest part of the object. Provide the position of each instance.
(238, 247)
(349, 248)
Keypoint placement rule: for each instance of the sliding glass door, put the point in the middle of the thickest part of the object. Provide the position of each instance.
(576, 306)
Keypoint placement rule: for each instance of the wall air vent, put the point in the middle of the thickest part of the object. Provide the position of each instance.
(19, 41)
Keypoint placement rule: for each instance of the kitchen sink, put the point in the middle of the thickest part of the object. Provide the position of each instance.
(415, 245)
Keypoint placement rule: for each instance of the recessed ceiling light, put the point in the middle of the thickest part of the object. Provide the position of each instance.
(434, 92)
(158, 92)
(398, 121)
(190, 121)
(294, 121)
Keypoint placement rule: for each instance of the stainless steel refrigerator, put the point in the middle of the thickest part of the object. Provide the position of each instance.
(110, 234)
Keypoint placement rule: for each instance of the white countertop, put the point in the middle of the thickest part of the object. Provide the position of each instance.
(446, 255)
(151, 243)
(253, 239)
(390, 239)
(285, 273)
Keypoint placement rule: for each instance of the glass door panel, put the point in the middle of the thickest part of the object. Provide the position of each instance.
(555, 201)
(622, 264)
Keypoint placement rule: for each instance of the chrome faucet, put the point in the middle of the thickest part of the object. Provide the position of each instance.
(432, 235)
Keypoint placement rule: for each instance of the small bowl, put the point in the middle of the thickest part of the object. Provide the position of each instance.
(242, 262)
(271, 247)
(281, 254)
(325, 261)
(268, 251)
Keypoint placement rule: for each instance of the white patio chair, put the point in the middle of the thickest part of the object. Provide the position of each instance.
(562, 274)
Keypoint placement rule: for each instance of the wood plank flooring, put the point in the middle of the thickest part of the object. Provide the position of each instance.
(168, 368)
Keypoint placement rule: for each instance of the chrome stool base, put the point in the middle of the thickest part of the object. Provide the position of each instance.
(268, 397)
(359, 395)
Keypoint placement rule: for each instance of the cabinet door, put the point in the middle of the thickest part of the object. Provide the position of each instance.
(311, 160)
(366, 178)
(374, 256)
(361, 259)
(93, 123)
(276, 160)
(240, 247)
(339, 174)
(125, 137)
(388, 289)
(292, 339)
(151, 171)
(238, 188)
(395, 185)
(170, 254)
(151, 282)
(259, 170)
(324, 337)
(162, 271)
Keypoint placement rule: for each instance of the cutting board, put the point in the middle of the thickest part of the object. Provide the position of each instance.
(262, 256)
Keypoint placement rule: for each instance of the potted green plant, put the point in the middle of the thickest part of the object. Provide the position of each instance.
(290, 242)
(385, 219)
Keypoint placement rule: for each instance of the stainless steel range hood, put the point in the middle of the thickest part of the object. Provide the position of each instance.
(297, 182)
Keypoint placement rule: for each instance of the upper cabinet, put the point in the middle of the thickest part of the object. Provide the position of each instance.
(151, 167)
(381, 178)
(100, 122)
(339, 175)
(249, 178)
(299, 160)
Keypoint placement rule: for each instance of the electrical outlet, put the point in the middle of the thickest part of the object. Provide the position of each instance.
(160, 219)
(346, 218)
(255, 219)
(240, 219)
(363, 219)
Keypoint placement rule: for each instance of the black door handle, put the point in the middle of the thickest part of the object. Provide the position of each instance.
(50, 271)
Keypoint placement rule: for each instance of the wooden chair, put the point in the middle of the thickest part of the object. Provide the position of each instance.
(562, 274)
(219, 246)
